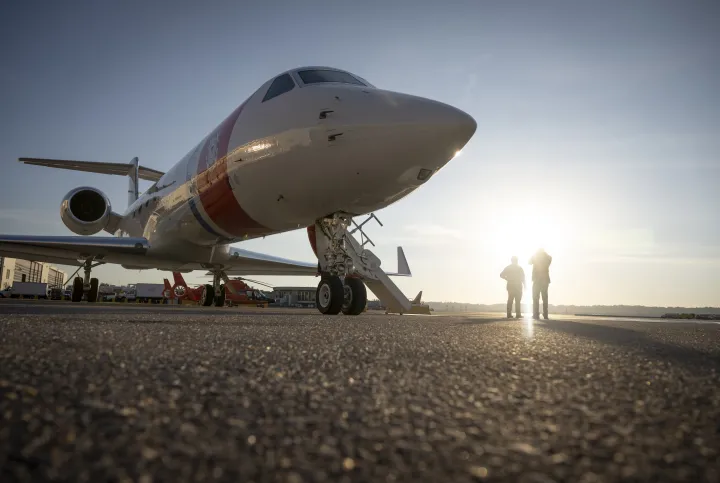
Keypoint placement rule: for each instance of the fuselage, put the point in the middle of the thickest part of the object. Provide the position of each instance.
(308, 143)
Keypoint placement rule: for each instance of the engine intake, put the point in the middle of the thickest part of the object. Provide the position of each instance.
(85, 211)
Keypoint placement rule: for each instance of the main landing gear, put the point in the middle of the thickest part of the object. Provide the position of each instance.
(86, 286)
(214, 294)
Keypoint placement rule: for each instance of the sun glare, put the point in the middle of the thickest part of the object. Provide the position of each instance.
(522, 232)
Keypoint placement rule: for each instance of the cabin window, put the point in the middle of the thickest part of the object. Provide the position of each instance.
(317, 76)
(280, 85)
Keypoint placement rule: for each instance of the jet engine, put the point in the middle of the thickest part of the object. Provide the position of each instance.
(85, 210)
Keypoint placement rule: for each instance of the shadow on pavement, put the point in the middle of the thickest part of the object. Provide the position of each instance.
(634, 340)
(480, 321)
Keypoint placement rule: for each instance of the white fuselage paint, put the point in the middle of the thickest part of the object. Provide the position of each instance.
(283, 169)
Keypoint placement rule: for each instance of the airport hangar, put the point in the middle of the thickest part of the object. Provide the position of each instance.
(17, 270)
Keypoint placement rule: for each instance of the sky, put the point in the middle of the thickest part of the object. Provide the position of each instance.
(597, 132)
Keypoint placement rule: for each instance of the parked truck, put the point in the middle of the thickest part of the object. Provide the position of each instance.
(34, 290)
(149, 292)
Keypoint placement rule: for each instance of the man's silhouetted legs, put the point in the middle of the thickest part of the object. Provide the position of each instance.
(515, 277)
(511, 297)
(516, 296)
(540, 288)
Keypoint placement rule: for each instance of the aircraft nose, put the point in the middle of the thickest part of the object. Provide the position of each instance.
(436, 129)
(453, 125)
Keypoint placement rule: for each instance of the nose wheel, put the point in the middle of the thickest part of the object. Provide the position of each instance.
(333, 296)
(355, 296)
(330, 295)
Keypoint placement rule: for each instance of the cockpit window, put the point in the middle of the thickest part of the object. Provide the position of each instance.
(280, 85)
(317, 76)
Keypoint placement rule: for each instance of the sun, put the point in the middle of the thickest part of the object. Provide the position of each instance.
(522, 231)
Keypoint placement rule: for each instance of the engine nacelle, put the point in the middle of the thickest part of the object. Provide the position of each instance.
(85, 210)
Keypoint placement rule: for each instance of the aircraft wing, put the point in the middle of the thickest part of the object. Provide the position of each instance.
(245, 262)
(68, 250)
(133, 253)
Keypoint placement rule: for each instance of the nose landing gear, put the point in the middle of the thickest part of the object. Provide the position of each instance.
(347, 267)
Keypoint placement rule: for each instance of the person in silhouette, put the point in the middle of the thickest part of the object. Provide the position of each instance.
(515, 277)
(541, 280)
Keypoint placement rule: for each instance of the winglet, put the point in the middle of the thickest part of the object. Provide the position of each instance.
(418, 298)
(403, 267)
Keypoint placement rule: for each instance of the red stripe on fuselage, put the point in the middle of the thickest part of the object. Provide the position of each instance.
(213, 182)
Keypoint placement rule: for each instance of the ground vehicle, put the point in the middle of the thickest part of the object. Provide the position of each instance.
(149, 292)
(30, 290)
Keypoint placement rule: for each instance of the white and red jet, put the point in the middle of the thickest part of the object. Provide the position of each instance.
(312, 147)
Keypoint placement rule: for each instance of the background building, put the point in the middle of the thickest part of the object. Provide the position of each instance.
(16, 270)
(295, 296)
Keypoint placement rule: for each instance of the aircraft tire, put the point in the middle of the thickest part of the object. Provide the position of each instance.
(92, 295)
(77, 290)
(208, 294)
(330, 295)
(355, 296)
(220, 300)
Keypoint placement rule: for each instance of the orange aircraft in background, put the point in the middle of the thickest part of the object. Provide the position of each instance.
(244, 294)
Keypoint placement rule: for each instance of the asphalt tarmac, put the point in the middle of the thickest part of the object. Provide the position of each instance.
(162, 393)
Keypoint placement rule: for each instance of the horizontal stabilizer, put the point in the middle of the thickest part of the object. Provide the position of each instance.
(121, 169)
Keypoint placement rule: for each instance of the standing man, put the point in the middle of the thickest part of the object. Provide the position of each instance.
(541, 280)
(515, 276)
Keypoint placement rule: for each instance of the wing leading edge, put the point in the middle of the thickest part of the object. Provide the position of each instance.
(70, 250)
(136, 253)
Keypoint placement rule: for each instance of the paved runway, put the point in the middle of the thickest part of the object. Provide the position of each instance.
(115, 393)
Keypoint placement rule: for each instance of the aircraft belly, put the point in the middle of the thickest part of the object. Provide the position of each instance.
(295, 187)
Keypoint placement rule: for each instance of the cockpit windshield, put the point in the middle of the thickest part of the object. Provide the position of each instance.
(317, 76)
